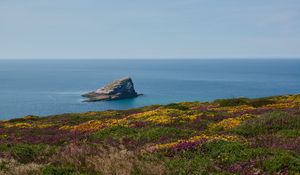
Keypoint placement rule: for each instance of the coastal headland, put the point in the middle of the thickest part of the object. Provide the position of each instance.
(225, 136)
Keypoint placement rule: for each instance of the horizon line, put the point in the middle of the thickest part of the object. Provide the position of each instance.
(156, 58)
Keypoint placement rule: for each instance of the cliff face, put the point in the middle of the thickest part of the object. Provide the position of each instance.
(118, 89)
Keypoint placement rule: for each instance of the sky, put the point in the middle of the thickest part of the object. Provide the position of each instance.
(45, 29)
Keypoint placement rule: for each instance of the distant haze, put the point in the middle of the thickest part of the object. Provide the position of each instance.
(42, 29)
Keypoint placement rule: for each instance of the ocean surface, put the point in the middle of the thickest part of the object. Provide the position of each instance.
(46, 87)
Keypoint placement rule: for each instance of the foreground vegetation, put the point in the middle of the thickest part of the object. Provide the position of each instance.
(227, 136)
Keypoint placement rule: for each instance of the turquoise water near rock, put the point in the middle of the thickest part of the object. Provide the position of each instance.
(45, 87)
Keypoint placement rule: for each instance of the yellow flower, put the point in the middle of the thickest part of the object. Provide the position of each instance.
(208, 137)
(19, 125)
(280, 106)
(66, 127)
(116, 122)
(163, 116)
(43, 125)
(91, 125)
(288, 98)
(159, 119)
(240, 108)
(166, 145)
(3, 136)
(26, 125)
(188, 117)
(229, 123)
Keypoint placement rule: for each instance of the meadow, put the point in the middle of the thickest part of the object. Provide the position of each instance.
(225, 136)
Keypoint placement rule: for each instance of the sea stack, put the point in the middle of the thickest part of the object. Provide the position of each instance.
(118, 89)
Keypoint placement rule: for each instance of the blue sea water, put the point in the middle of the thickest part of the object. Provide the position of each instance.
(46, 87)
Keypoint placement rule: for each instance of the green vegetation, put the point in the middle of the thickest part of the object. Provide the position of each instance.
(226, 136)
(258, 102)
(147, 134)
(270, 122)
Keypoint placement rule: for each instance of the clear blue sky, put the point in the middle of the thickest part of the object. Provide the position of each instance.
(149, 28)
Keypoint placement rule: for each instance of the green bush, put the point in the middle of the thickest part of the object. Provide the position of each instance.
(190, 163)
(142, 134)
(115, 132)
(176, 106)
(230, 152)
(156, 133)
(268, 123)
(232, 102)
(260, 102)
(26, 153)
(53, 170)
(281, 161)
(25, 119)
(257, 102)
(290, 133)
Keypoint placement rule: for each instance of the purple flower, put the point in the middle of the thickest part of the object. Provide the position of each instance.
(188, 145)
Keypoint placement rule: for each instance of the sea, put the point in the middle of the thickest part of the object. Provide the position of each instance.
(48, 87)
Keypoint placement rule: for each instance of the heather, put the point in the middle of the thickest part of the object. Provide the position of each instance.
(225, 136)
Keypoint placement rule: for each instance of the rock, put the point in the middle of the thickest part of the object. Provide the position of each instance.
(118, 89)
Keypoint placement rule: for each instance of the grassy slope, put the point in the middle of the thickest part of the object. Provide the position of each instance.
(227, 136)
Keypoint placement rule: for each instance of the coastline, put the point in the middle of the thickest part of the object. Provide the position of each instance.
(140, 94)
(60, 88)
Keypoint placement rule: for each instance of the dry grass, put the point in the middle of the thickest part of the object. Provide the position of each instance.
(106, 161)
(12, 167)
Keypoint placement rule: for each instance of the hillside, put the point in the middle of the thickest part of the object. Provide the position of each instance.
(226, 136)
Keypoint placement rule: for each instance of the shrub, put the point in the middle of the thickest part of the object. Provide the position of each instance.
(115, 132)
(290, 133)
(26, 153)
(167, 133)
(230, 152)
(142, 134)
(229, 123)
(282, 160)
(190, 163)
(54, 170)
(268, 123)
(232, 102)
(25, 118)
(176, 106)
(258, 102)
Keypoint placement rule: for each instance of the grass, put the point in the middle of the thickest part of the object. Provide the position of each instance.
(147, 134)
(257, 102)
(270, 122)
(226, 136)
